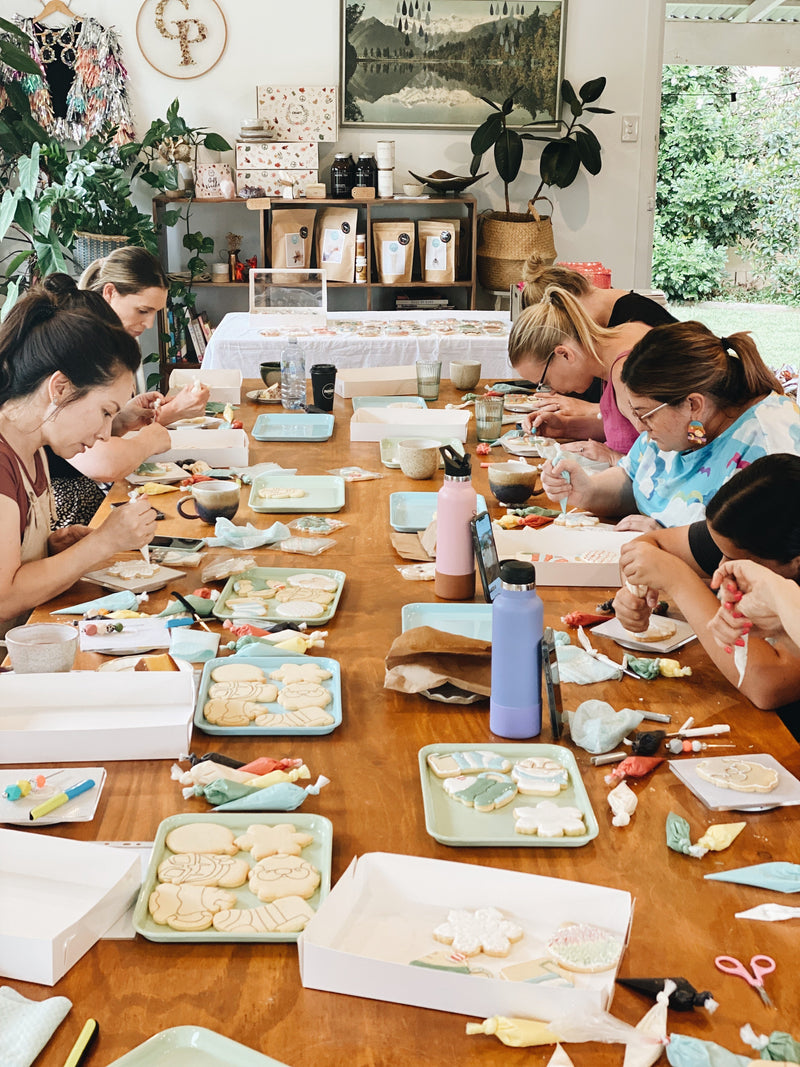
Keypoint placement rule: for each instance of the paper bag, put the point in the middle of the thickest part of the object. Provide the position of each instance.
(424, 659)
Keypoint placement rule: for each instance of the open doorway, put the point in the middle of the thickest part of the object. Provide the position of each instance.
(726, 243)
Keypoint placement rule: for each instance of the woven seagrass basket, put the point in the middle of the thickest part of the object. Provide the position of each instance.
(507, 239)
(91, 246)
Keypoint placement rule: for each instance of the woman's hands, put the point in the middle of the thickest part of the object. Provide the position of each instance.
(189, 403)
(128, 527)
(750, 596)
(594, 450)
(63, 538)
(558, 488)
(553, 408)
(641, 563)
(640, 523)
(138, 412)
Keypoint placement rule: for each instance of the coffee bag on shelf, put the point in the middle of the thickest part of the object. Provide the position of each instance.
(393, 245)
(438, 249)
(292, 241)
(336, 242)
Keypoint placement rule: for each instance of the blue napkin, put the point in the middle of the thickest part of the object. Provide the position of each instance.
(685, 1051)
(781, 876)
(230, 535)
(596, 727)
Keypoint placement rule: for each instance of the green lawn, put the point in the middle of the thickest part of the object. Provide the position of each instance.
(775, 329)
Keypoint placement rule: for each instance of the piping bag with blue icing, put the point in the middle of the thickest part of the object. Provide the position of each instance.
(283, 796)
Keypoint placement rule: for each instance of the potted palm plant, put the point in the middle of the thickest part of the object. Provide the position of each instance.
(507, 238)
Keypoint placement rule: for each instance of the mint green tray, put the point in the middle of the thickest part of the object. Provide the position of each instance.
(388, 402)
(463, 620)
(318, 853)
(259, 576)
(193, 1046)
(453, 823)
(323, 492)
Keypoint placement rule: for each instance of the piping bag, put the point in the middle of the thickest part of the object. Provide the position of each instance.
(285, 796)
(684, 997)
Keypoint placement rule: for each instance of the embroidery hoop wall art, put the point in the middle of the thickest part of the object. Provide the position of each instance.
(181, 38)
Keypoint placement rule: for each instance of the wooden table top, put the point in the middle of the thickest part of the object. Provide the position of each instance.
(252, 992)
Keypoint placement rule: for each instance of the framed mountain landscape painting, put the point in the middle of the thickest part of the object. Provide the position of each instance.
(427, 63)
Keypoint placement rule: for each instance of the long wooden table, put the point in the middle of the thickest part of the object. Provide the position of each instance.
(253, 993)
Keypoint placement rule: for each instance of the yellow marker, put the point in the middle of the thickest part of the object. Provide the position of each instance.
(61, 798)
(81, 1046)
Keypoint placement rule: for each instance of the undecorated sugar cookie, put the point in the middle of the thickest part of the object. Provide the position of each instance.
(283, 876)
(300, 672)
(741, 775)
(209, 837)
(261, 692)
(304, 592)
(285, 916)
(261, 841)
(659, 629)
(195, 868)
(472, 932)
(187, 907)
(276, 492)
(304, 718)
(237, 672)
(298, 695)
(230, 712)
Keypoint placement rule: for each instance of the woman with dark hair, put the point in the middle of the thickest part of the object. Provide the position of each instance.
(64, 376)
(754, 520)
(708, 406)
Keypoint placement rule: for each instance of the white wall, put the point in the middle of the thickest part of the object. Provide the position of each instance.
(603, 218)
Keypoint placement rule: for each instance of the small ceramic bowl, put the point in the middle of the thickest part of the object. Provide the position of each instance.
(465, 373)
(418, 457)
(413, 189)
(512, 483)
(271, 373)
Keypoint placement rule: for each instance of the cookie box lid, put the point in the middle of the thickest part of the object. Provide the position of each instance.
(372, 937)
(220, 448)
(376, 381)
(225, 385)
(563, 555)
(80, 891)
(86, 716)
(373, 424)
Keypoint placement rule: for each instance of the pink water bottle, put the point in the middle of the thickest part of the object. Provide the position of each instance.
(456, 506)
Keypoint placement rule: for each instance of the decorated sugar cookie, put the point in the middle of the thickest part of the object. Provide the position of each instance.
(472, 932)
(261, 840)
(660, 628)
(448, 764)
(313, 581)
(484, 792)
(585, 948)
(300, 609)
(549, 820)
(540, 776)
(304, 592)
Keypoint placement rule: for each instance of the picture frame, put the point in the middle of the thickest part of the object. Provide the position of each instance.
(425, 64)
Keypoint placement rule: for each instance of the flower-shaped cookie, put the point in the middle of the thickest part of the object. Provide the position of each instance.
(261, 840)
(549, 820)
(300, 672)
(484, 930)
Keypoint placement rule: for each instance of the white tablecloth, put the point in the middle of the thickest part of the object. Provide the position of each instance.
(239, 346)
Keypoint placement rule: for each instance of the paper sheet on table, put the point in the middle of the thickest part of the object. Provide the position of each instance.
(136, 634)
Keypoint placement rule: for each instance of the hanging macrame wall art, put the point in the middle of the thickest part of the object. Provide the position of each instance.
(181, 38)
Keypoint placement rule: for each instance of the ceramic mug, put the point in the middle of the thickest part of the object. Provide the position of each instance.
(418, 457)
(41, 647)
(465, 373)
(213, 500)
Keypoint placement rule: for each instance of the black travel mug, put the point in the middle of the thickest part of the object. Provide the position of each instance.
(323, 379)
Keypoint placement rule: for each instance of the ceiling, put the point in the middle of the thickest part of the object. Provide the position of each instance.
(752, 11)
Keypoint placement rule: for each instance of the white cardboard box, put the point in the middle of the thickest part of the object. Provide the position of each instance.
(85, 716)
(220, 448)
(568, 544)
(225, 385)
(59, 898)
(380, 914)
(376, 381)
(373, 424)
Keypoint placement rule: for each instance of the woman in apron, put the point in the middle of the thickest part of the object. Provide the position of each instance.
(65, 374)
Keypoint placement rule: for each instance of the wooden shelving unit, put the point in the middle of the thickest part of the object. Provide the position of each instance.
(372, 295)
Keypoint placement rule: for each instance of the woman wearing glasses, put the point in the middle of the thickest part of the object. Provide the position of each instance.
(707, 407)
(556, 344)
(750, 543)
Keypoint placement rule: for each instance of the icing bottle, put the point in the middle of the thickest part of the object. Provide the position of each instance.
(515, 703)
(455, 508)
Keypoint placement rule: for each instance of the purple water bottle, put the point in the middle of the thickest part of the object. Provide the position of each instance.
(515, 704)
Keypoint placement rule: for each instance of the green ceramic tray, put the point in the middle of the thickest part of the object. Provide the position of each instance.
(318, 853)
(333, 685)
(452, 823)
(259, 576)
(193, 1046)
(322, 492)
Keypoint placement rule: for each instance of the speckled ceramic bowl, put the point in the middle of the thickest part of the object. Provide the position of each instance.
(418, 457)
(512, 483)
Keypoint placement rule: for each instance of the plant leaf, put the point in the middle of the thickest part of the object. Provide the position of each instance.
(486, 134)
(8, 209)
(17, 59)
(216, 143)
(591, 90)
(491, 103)
(588, 151)
(28, 167)
(11, 298)
(14, 30)
(599, 110)
(508, 105)
(508, 155)
(17, 262)
(559, 163)
(569, 97)
(474, 166)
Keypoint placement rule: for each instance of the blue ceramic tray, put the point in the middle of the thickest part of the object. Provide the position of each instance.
(267, 664)
(293, 426)
(463, 620)
(322, 492)
(411, 512)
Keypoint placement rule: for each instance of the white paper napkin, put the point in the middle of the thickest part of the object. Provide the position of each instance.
(27, 1025)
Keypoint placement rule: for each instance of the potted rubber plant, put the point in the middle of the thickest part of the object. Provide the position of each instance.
(508, 238)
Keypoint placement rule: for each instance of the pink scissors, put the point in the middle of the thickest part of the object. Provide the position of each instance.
(760, 965)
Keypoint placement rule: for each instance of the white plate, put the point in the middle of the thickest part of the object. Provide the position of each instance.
(79, 809)
(785, 793)
(170, 474)
(134, 585)
(615, 630)
(255, 395)
(127, 663)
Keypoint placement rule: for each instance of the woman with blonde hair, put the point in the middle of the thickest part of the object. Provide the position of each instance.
(708, 406)
(556, 344)
(134, 287)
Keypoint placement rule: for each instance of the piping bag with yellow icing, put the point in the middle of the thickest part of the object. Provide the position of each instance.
(516, 1033)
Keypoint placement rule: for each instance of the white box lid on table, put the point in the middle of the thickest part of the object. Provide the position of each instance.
(225, 385)
(59, 898)
(85, 716)
(373, 424)
(583, 555)
(220, 448)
